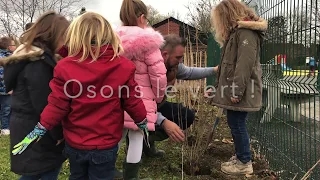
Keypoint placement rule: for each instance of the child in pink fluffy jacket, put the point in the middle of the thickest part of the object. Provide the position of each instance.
(141, 44)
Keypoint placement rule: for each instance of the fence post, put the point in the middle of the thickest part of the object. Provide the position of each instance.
(213, 55)
(271, 75)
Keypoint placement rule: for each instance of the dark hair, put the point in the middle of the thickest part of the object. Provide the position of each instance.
(28, 26)
(131, 10)
(46, 32)
(5, 42)
(172, 41)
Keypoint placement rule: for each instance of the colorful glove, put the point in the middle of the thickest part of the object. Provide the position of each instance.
(37, 133)
(143, 126)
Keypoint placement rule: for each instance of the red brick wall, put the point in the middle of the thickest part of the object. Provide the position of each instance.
(169, 28)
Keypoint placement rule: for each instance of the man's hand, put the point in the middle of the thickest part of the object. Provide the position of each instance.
(173, 131)
(215, 69)
(10, 92)
(235, 100)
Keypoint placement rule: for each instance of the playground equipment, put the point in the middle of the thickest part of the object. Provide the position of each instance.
(289, 92)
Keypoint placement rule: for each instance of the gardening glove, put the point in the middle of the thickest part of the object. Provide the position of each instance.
(143, 126)
(37, 133)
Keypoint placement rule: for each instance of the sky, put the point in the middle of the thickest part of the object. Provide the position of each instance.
(110, 9)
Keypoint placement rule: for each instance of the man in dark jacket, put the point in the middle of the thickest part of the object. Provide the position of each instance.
(174, 117)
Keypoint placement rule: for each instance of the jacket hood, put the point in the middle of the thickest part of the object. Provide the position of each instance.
(15, 63)
(260, 26)
(22, 54)
(137, 42)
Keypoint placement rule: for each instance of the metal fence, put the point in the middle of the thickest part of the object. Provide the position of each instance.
(287, 129)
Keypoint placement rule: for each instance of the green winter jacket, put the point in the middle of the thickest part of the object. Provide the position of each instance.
(240, 74)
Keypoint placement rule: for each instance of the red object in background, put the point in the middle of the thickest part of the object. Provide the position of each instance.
(280, 57)
(63, 52)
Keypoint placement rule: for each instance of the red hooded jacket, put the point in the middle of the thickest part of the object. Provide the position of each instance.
(90, 99)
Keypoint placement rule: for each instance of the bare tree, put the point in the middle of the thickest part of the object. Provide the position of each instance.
(313, 8)
(200, 14)
(15, 14)
(155, 16)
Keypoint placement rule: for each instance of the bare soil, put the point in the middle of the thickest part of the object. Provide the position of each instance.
(218, 152)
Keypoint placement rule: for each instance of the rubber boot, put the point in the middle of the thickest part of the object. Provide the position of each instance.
(131, 171)
(152, 151)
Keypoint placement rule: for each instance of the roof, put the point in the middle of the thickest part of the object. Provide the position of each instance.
(171, 19)
(184, 29)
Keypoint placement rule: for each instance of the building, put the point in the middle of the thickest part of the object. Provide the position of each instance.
(174, 26)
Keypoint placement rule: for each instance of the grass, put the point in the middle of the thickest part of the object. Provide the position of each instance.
(152, 168)
(169, 167)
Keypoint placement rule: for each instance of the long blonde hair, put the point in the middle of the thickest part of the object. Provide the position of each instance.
(225, 17)
(88, 33)
(131, 10)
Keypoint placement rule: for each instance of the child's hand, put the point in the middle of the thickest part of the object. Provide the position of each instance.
(37, 133)
(208, 93)
(235, 100)
(59, 141)
(143, 125)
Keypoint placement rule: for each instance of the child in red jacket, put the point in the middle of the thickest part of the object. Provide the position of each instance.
(91, 89)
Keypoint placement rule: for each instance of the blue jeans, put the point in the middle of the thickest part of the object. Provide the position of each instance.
(50, 175)
(92, 164)
(5, 101)
(237, 124)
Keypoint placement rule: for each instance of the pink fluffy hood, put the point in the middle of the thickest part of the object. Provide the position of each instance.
(138, 42)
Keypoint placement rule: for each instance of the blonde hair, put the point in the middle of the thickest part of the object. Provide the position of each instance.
(131, 10)
(225, 17)
(88, 33)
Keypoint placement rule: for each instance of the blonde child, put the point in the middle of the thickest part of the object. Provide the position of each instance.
(240, 32)
(91, 89)
(142, 45)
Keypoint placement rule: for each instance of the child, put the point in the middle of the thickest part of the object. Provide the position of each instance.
(27, 73)
(142, 45)
(239, 85)
(7, 46)
(91, 89)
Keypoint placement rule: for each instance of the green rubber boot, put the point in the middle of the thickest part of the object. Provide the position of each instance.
(153, 151)
(131, 171)
(118, 175)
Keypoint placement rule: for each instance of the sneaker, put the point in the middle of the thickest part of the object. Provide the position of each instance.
(232, 160)
(238, 168)
(5, 132)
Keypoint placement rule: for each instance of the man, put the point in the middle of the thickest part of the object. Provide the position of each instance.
(174, 117)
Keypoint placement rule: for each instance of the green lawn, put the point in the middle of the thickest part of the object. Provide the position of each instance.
(153, 168)
(207, 166)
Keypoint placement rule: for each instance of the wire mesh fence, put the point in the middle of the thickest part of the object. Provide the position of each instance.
(287, 129)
